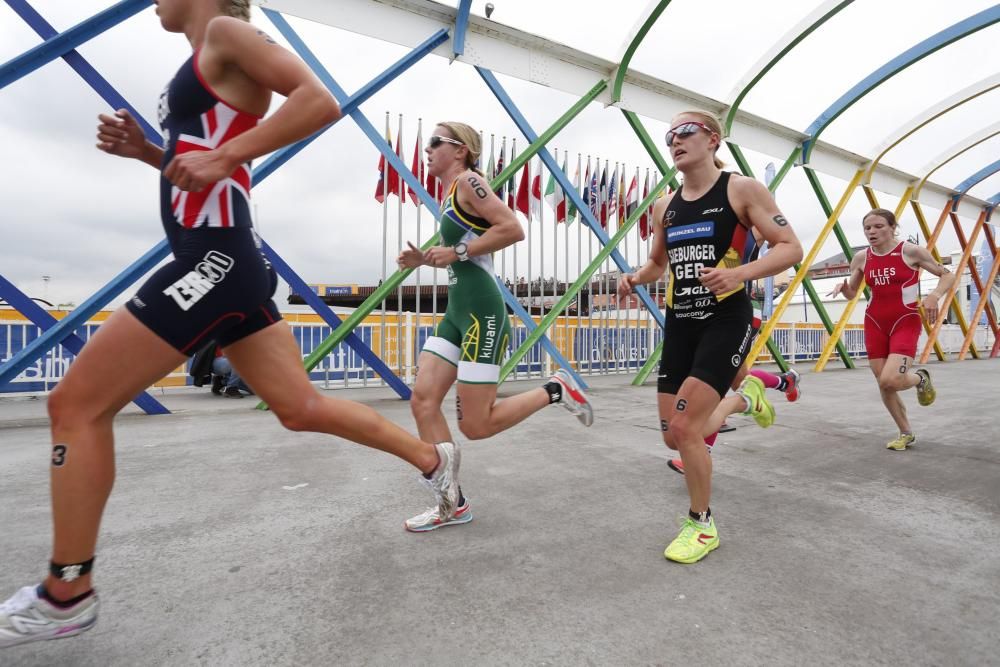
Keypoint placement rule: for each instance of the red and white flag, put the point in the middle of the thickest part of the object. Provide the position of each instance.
(388, 179)
(418, 169)
(536, 192)
(523, 193)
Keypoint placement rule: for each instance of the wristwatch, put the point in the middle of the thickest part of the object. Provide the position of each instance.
(462, 251)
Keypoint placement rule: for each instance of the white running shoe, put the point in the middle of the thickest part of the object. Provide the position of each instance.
(25, 617)
(573, 398)
(444, 481)
(431, 519)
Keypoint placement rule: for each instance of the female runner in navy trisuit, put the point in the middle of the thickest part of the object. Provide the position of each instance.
(218, 286)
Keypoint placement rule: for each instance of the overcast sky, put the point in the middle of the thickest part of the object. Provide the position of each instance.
(79, 216)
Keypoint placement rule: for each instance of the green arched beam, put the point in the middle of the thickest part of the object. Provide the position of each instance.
(781, 48)
(934, 43)
(656, 8)
(789, 41)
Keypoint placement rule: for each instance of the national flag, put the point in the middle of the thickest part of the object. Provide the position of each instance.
(594, 193)
(388, 179)
(417, 168)
(632, 198)
(647, 215)
(491, 165)
(499, 168)
(511, 182)
(571, 210)
(622, 203)
(613, 193)
(523, 194)
(602, 197)
(555, 196)
(536, 192)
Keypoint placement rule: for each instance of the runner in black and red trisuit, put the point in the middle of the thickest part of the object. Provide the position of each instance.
(700, 236)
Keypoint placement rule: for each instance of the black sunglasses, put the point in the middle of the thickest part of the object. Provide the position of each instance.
(436, 140)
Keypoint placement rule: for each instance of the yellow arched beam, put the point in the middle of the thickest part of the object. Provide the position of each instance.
(950, 296)
(838, 330)
(926, 116)
(954, 151)
(786, 297)
(984, 295)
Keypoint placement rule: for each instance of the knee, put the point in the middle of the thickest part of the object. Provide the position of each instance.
(423, 405)
(66, 410)
(668, 438)
(890, 384)
(683, 432)
(474, 431)
(301, 416)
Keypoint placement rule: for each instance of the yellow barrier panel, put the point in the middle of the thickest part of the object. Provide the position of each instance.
(838, 330)
(956, 310)
(786, 297)
(962, 263)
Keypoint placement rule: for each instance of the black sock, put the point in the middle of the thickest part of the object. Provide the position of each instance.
(782, 382)
(701, 517)
(461, 497)
(555, 391)
(62, 604)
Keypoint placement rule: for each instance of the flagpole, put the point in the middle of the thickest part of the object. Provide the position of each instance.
(401, 195)
(545, 361)
(385, 248)
(566, 321)
(503, 198)
(513, 248)
(420, 177)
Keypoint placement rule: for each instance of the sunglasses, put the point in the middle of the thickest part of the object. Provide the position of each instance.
(436, 140)
(686, 129)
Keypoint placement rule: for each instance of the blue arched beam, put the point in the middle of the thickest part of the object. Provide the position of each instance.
(962, 188)
(119, 284)
(461, 26)
(915, 53)
(397, 164)
(56, 46)
(566, 185)
(42, 319)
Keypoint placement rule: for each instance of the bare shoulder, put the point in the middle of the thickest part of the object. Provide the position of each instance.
(745, 190)
(470, 179)
(227, 27)
(660, 207)
(858, 261)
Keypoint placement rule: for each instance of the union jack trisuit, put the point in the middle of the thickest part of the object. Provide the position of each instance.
(219, 285)
(28, 617)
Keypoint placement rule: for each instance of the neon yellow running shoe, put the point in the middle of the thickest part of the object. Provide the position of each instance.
(693, 543)
(925, 390)
(902, 442)
(760, 408)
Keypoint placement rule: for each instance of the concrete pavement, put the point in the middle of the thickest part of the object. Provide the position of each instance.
(229, 541)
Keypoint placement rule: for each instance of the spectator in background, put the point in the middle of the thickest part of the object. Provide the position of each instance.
(225, 380)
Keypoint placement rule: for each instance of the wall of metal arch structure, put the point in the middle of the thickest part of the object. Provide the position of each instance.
(450, 31)
(532, 58)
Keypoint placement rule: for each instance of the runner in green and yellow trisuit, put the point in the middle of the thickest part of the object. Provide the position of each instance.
(471, 341)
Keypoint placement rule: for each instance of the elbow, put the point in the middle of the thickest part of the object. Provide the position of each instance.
(795, 253)
(331, 110)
